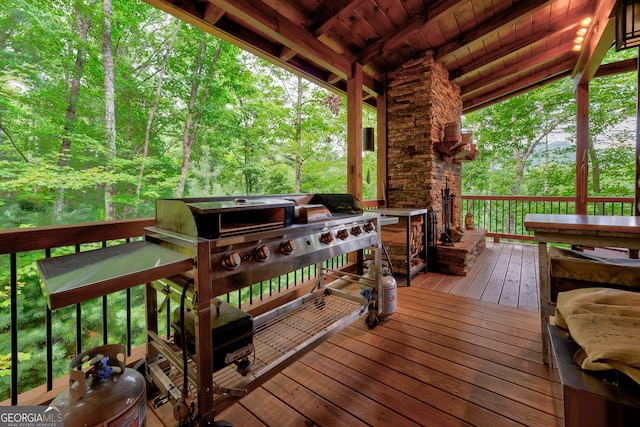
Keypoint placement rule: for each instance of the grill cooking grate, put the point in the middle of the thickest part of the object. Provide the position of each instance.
(278, 338)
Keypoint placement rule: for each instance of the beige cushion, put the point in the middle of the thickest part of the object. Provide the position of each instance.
(606, 324)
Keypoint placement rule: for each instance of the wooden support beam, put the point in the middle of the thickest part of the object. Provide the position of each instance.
(637, 192)
(354, 131)
(382, 143)
(582, 147)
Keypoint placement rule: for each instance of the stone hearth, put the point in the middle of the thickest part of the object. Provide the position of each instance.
(459, 259)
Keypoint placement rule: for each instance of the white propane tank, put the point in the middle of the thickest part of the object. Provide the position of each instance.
(107, 394)
(388, 289)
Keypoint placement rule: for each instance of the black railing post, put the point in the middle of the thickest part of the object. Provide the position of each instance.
(14, 329)
(49, 343)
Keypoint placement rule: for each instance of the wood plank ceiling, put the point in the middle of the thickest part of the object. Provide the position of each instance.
(493, 49)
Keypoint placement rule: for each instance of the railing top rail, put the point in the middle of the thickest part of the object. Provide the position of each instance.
(548, 198)
(17, 240)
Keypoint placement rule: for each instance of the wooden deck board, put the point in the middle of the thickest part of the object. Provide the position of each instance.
(529, 288)
(345, 396)
(457, 374)
(466, 283)
(511, 288)
(444, 359)
(494, 286)
(493, 362)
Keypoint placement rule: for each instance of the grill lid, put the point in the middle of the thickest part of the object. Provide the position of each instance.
(213, 218)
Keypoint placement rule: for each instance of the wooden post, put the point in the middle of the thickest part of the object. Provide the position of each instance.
(381, 104)
(637, 193)
(634, 253)
(582, 147)
(354, 131)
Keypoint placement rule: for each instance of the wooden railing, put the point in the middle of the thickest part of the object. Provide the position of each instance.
(20, 292)
(21, 296)
(503, 216)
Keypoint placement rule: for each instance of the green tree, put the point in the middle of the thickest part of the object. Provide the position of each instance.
(510, 132)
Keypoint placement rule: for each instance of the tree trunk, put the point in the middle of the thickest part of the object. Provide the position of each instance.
(195, 111)
(299, 161)
(109, 99)
(154, 108)
(82, 23)
(515, 188)
(595, 167)
(546, 166)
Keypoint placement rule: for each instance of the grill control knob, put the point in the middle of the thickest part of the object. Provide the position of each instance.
(231, 261)
(326, 238)
(369, 227)
(356, 231)
(262, 253)
(342, 234)
(287, 247)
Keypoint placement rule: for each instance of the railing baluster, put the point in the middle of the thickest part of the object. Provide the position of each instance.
(49, 333)
(128, 322)
(503, 216)
(105, 314)
(105, 337)
(49, 345)
(78, 320)
(78, 328)
(168, 318)
(14, 329)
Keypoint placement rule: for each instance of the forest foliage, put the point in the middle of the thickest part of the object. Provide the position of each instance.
(191, 115)
(194, 116)
(527, 143)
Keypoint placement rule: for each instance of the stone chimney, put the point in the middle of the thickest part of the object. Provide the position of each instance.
(420, 102)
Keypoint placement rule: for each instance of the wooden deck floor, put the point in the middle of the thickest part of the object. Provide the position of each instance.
(458, 351)
(505, 274)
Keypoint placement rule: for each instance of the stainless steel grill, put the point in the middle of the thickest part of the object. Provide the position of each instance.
(234, 244)
(203, 248)
(206, 247)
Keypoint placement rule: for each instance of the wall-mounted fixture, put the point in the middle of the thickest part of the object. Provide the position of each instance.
(627, 24)
(367, 139)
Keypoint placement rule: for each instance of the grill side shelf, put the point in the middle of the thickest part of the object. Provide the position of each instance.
(74, 278)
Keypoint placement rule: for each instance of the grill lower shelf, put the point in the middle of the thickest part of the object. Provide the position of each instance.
(285, 331)
(281, 333)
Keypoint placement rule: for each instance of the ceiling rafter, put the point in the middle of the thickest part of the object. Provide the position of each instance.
(602, 34)
(287, 10)
(518, 68)
(512, 49)
(513, 89)
(212, 14)
(331, 14)
(387, 43)
(495, 24)
(285, 32)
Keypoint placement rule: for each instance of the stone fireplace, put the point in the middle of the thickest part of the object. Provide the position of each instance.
(422, 106)
(420, 102)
